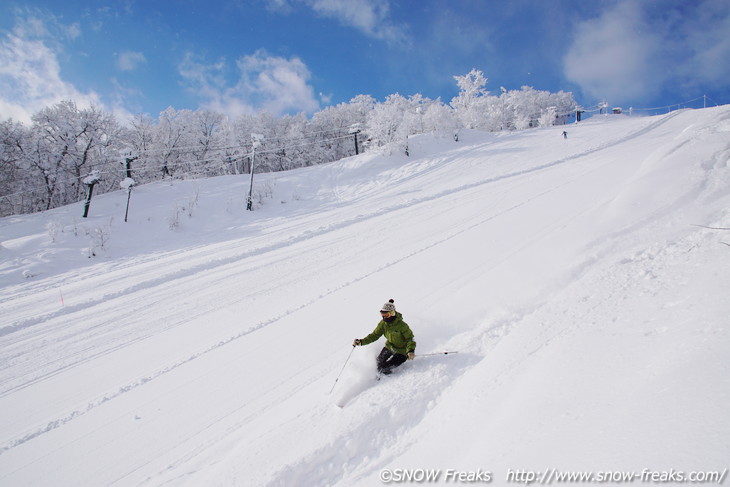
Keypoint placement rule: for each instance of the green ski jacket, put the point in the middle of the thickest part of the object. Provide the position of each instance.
(398, 335)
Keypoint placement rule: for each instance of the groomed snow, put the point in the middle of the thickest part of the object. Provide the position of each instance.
(583, 282)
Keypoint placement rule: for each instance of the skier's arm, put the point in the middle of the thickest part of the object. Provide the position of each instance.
(377, 333)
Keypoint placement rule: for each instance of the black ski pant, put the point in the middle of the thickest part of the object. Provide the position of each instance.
(388, 360)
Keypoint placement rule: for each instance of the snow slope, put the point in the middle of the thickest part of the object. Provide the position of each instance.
(197, 343)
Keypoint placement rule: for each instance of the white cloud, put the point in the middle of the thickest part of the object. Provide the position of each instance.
(613, 56)
(30, 75)
(325, 99)
(707, 44)
(130, 60)
(31, 26)
(281, 84)
(635, 50)
(371, 17)
(280, 6)
(73, 31)
(270, 83)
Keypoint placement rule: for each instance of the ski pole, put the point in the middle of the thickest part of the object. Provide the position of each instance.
(343, 369)
(435, 353)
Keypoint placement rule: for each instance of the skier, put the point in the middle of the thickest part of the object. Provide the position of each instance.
(565, 134)
(399, 344)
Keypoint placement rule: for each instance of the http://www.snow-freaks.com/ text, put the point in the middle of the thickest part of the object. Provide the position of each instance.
(550, 476)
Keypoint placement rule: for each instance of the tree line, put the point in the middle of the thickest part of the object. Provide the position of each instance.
(44, 165)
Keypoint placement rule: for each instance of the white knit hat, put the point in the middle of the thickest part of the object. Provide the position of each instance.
(388, 307)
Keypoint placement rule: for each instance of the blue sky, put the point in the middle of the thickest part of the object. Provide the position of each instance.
(289, 56)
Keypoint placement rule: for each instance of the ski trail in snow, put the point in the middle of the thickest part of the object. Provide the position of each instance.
(305, 236)
(353, 387)
(309, 234)
(391, 407)
(652, 125)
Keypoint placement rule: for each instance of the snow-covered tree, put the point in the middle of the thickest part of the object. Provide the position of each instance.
(66, 144)
(173, 141)
(141, 142)
(331, 126)
(384, 122)
(207, 143)
(14, 180)
(440, 119)
(43, 166)
(548, 116)
(469, 104)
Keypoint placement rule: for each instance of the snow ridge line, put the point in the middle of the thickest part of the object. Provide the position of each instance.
(50, 426)
(163, 279)
(322, 230)
(309, 234)
(449, 157)
(31, 288)
(133, 385)
(269, 399)
(87, 358)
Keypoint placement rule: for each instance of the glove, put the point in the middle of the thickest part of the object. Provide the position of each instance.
(411, 355)
(357, 342)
